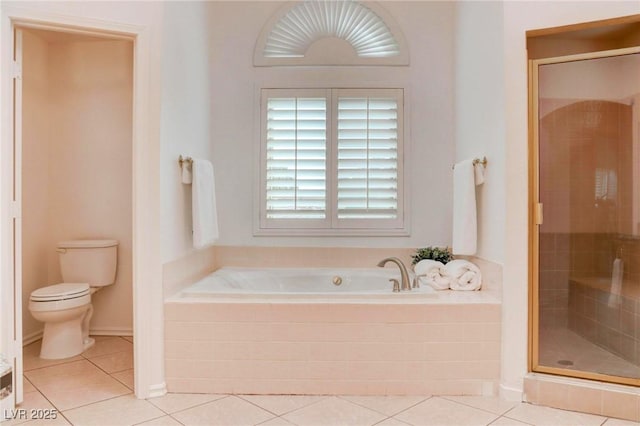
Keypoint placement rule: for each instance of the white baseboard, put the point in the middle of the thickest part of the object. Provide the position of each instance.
(111, 331)
(157, 390)
(32, 337)
(510, 393)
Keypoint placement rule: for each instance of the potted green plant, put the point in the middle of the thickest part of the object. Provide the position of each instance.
(440, 254)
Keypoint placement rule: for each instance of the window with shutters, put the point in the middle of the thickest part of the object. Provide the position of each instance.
(331, 162)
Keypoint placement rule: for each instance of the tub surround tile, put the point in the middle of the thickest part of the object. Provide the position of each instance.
(228, 411)
(182, 272)
(441, 412)
(334, 411)
(128, 410)
(75, 384)
(282, 404)
(315, 257)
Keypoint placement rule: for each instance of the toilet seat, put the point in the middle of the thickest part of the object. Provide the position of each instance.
(58, 292)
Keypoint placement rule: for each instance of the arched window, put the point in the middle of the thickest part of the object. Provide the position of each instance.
(316, 32)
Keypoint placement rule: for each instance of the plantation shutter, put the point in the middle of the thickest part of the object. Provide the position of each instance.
(296, 158)
(367, 164)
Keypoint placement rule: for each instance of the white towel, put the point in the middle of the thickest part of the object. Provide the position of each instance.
(464, 275)
(615, 297)
(464, 209)
(433, 273)
(204, 214)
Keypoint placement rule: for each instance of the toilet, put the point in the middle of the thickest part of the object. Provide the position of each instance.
(65, 309)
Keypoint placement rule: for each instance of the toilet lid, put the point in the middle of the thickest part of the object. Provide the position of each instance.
(60, 292)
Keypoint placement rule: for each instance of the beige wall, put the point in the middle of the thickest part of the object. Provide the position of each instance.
(86, 173)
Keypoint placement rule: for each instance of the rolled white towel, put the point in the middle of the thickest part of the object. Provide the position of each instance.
(464, 275)
(434, 274)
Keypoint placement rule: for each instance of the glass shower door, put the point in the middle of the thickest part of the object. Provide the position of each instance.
(586, 322)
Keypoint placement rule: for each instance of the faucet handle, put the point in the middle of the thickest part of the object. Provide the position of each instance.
(396, 285)
(416, 281)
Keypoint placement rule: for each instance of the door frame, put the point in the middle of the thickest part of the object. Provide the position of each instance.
(535, 219)
(147, 266)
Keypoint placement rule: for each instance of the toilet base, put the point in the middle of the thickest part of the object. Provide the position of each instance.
(88, 342)
(64, 339)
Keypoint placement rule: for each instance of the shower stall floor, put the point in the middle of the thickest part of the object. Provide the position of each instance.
(562, 348)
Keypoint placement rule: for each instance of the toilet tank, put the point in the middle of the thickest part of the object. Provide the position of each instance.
(88, 261)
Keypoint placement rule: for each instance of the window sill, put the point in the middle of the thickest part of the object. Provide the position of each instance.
(273, 232)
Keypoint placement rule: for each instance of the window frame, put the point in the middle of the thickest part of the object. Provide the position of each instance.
(331, 225)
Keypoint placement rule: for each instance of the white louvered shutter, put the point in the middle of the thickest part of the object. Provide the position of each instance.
(296, 158)
(368, 152)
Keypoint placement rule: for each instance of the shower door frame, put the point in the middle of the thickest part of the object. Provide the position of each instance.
(536, 218)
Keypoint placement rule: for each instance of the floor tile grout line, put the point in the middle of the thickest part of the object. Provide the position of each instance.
(408, 408)
(343, 397)
(323, 397)
(197, 405)
(478, 408)
(52, 365)
(97, 402)
(253, 403)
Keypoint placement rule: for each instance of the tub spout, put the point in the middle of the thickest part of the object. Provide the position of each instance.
(406, 285)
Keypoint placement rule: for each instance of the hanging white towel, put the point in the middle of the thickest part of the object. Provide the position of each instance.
(464, 209)
(433, 273)
(464, 275)
(204, 214)
(615, 296)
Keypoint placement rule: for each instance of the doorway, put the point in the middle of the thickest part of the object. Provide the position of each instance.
(76, 122)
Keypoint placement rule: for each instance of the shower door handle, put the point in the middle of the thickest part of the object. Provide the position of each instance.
(538, 214)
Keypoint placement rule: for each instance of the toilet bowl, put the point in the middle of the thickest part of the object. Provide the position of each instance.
(66, 308)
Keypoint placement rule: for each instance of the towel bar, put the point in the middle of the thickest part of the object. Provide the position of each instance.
(182, 160)
(476, 161)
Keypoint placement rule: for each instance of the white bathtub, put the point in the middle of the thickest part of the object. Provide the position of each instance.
(302, 283)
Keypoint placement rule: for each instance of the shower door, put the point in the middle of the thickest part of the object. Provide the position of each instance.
(586, 216)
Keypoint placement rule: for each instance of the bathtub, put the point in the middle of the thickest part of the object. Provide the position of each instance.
(293, 331)
(299, 283)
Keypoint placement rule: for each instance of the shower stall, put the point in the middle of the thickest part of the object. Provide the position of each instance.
(585, 215)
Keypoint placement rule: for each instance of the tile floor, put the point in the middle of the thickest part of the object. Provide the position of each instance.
(96, 388)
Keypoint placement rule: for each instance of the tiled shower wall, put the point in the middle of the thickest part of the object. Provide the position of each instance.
(583, 229)
(563, 256)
